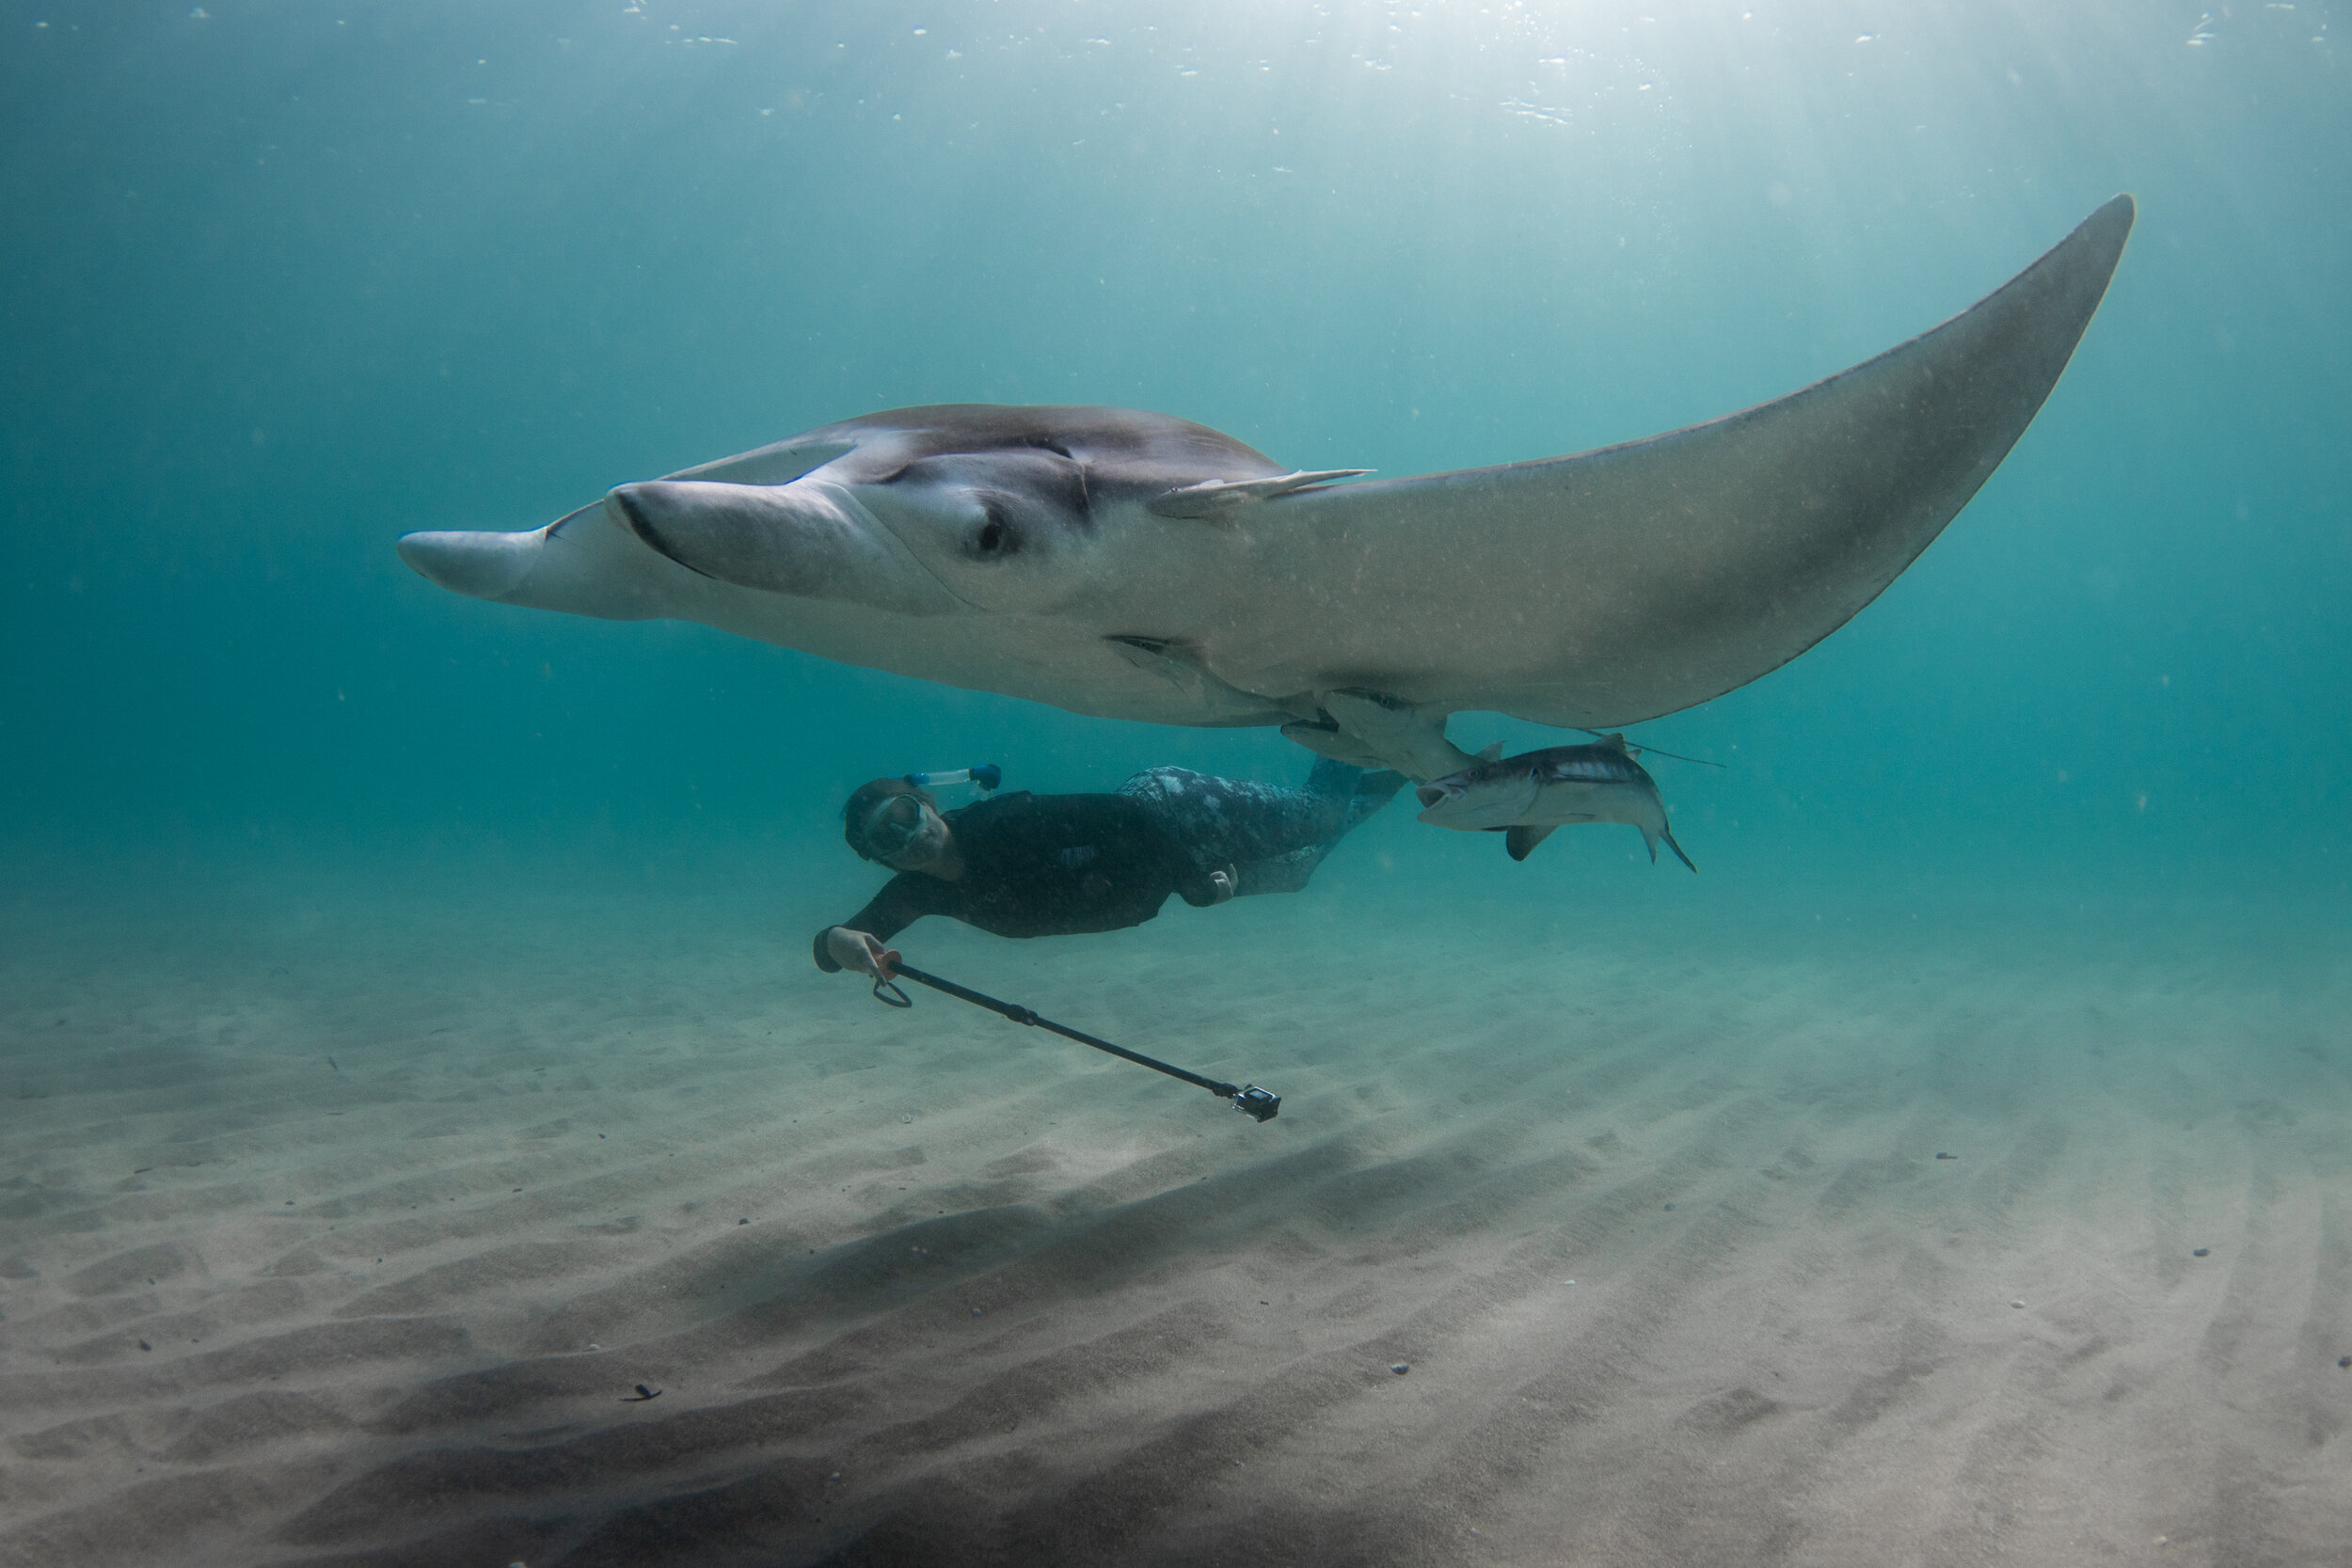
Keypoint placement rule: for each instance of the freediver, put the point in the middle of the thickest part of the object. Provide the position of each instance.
(1038, 866)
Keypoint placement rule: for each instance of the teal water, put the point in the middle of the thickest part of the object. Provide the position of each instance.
(285, 281)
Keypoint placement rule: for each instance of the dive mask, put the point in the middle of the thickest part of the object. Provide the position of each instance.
(891, 826)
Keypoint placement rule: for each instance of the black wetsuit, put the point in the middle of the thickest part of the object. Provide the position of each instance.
(1043, 866)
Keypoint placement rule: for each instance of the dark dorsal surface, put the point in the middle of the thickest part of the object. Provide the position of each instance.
(1126, 452)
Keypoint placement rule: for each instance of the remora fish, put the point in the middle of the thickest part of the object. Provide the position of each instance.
(1526, 796)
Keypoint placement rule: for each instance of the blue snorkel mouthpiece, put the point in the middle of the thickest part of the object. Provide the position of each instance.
(986, 774)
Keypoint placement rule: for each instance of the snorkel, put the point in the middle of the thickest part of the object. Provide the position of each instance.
(985, 774)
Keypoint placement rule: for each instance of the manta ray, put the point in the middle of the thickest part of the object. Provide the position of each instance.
(1136, 565)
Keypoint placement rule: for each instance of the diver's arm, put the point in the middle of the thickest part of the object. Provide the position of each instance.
(1196, 887)
(839, 948)
(1150, 850)
(1201, 889)
(903, 901)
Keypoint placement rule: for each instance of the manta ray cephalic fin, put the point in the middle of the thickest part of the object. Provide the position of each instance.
(1214, 498)
(777, 462)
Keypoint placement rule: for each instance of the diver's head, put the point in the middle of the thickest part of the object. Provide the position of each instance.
(892, 821)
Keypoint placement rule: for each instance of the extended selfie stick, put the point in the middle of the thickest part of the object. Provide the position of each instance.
(1248, 1098)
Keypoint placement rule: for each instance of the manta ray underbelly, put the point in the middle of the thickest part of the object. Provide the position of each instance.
(1138, 565)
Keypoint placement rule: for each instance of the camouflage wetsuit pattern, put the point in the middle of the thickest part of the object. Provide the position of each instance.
(1277, 836)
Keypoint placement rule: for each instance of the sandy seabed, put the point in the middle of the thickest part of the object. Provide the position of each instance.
(336, 1230)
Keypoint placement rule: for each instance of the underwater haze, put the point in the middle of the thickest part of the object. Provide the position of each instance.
(407, 1041)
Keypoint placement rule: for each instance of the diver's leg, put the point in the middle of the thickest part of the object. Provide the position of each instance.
(1277, 835)
(1353, 794)
(1229, 821)
(1332, 779)
(1213, 819)
(1282, 873)
(1364, 792)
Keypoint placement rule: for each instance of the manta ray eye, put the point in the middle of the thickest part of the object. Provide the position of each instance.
(995, 536)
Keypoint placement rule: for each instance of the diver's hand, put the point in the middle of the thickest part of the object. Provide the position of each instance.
(858, 951)
(1225, 881)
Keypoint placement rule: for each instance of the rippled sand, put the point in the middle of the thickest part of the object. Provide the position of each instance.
(1651, 1207)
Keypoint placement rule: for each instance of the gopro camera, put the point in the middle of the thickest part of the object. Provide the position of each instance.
(1254, 1102)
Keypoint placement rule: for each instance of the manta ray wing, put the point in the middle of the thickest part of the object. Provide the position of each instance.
(1612, 586)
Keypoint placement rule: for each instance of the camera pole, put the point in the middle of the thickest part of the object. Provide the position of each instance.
(1247, 1097)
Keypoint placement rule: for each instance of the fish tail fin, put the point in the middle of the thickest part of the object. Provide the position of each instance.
(1668, 835)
